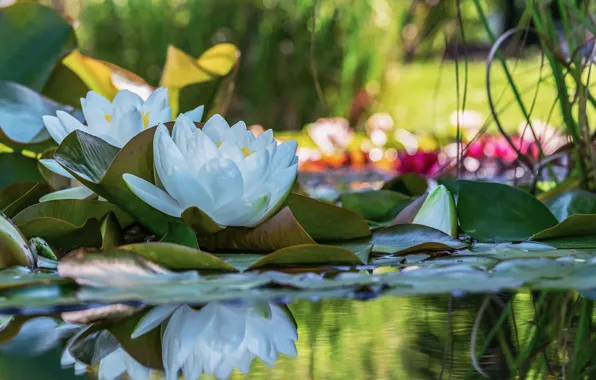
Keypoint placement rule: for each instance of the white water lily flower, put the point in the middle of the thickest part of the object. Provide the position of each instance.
(438, 211)
(115, 122)
(231, 175)
(218, 338)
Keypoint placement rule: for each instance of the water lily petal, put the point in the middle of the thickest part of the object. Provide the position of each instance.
(242, 212)
(79, 192)
(175, 175)
(229, 149)
(182, 135)
(159, 116)
(153, 195)
(216, 128)
(202, 149)
(281, 184)
(152, 319)
(222, 179)
(55, 128)
(284, 156)
(97, 101)
(53, 166)
(179, 340)
(254, 169)
(95, 115)
(158, 99)
(127, 99)
(239, 135)
(193, 366)
(262, 141)
(126, 123)
(438, 211)
(197, 114)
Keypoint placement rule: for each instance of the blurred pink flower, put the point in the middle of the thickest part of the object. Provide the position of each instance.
(422, 162)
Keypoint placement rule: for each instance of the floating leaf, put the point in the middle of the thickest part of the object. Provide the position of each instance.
(178, 257)
(200, 221)
(498, 212)
(280, 231)
(306, 254)
(376, 205)
(179, 233)
(410, 184)
(117, 268)
(572, 242)
(404, 238)
(68, 223)
(103, 77)
(34, 37)
(14, 248)
(182, 70)
(17, 168)
(100, 166)
(574, 225)
(18, 196)
(324, 221)
(572, 202)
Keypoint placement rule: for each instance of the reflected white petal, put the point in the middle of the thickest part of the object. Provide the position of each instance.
(152, 319)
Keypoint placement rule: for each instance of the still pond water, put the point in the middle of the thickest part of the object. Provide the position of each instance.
(536, 335)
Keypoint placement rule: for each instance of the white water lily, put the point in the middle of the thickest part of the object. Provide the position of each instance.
(115, 122)
(218, 338)
(438, 211)
(231, 175)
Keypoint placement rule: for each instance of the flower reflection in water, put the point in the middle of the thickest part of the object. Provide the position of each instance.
(217, 338)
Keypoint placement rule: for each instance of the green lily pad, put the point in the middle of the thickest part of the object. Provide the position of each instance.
(18, 277)
(100, 166)
(532, 269)
(404, 238)
(181, 234)
(309, 254)
(410, 184)
(376, 205)
(324, 221)
(34, 37)
(18, 196)
(117, 268)
(280, 231)
(68, 223)
(572, 202)
(14, 248)
(572, 242)
(17, 168)
(178, 257)
(200, 221)
(574, 225)
(496, 212)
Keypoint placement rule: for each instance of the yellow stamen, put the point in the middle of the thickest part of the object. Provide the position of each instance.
(146, 119)
(107, 117)
(246, 152)
(219, 143)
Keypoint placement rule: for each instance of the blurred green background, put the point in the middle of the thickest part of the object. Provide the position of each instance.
(394, 56)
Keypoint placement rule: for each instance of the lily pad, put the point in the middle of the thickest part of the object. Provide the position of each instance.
(410, 184)
(182, 70)
(376, 205)
(309, 254)
(18, 196)
(574, 225)
(496, 212)
(280, 231)
(14, 248)
(200, 221)
(404, 238)
(572, 202)
(34, 37)
(324, 221)
(100, 166)
(69, 223)
(117, 268)
(181, 234)
(17, 168)
(178, 257)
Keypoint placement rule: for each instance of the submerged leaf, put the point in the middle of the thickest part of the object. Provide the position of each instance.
(280, 231)
(496, 212)
(324, 221)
